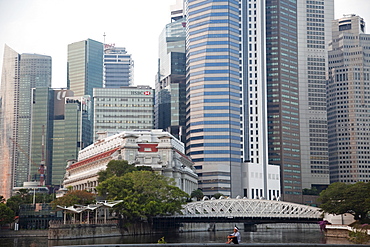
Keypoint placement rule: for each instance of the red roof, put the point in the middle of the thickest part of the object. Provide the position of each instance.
(94, 158)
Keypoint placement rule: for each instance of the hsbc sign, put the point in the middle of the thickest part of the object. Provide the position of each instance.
(140, 93)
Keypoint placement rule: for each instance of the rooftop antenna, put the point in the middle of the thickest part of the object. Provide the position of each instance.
(104, 37)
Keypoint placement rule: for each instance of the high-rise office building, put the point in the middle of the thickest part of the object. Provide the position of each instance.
(85, 70)
(314, 34)
(170, 106)
(118, 67)
(260, 179)
(283, 95)
(21, 73)
(121, 109)
(214, 95)
(348, 89)
(58, 132)
(296, 59)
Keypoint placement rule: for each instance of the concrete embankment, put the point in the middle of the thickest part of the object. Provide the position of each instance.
(23, 233)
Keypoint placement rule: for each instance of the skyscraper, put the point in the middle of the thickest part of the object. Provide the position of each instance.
(85, 70)
(314, 21)
(213, 95)
(21, 73)
(58, 131)
(260, 179)
(348, 101)
(118, 67)
(170, 107)
(121, 109)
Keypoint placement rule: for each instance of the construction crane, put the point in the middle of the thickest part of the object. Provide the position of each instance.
(42, 167)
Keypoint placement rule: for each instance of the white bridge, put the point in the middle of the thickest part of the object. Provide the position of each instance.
(251, 208)
(248, 211)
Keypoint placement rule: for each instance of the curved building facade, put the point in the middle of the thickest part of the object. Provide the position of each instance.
(214, 94)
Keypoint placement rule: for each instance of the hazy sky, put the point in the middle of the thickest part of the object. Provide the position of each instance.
(48, 26)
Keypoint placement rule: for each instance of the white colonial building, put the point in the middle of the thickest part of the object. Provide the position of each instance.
(155, 148)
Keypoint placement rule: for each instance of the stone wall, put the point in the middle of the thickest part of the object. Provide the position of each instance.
(73, 231)
(111, 228)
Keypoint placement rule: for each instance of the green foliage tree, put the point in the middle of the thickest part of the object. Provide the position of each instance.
(72, 197)
(144, 193)
(119, 168)
(6, 214)
(14, 202)
(218, 195)
(198, 193)
(340, 198)
(312, 191)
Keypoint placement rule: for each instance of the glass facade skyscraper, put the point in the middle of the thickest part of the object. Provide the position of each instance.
(214, 94)
(170, 106)
(85, 71)
(58, 131)
(21, 73)
(118, 67)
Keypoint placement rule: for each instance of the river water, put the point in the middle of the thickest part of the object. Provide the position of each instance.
(261, 236)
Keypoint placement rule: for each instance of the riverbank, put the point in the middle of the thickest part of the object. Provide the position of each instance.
(23, 233)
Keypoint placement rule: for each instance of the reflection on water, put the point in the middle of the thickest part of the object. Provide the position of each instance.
(261, 236)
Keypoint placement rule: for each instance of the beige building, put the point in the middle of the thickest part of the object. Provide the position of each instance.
(154, 148)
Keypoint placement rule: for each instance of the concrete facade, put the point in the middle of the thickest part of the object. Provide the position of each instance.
(154, 148)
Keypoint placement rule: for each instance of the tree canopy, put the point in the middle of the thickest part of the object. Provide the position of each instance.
(340, 198)
(6, 214)
(73, 197)
(144, 194)
(198, 193)
(119, 168)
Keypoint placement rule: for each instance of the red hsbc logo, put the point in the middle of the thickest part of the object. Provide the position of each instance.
(147, 93)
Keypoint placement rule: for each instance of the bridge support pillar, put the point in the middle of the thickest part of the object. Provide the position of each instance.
(250, 227)
(212, 227)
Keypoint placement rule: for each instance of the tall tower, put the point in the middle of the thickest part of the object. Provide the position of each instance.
(214, 94)
(314, 34)
(58, 131)
(21, 73)
(118, 67)
(85, 70)
(260, 179)
(170, 107)
(348, 101)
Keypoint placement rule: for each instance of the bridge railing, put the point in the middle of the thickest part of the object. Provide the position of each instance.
(249, 208)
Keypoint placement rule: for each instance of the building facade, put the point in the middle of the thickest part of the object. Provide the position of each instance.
(213, 89)
(259, 178)
(314, 34)
(170, 87)
(85, 70)
(121, 109)
(58, 132)
(348, 89)
(118, 67)
(21, 73)
(154, 148)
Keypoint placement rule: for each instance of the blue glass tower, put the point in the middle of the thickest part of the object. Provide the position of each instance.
(214, 94)
(85, 72)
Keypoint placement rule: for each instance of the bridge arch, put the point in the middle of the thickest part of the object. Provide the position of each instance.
(249, 208)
